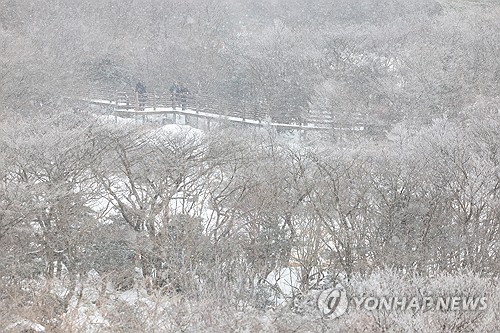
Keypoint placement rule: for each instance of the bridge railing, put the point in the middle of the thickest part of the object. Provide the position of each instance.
(133, 101)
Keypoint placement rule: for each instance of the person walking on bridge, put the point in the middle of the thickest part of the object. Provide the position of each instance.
(183, 95)
(140, 90)
(174, 94)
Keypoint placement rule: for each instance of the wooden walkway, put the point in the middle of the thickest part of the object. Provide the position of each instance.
(201, 107)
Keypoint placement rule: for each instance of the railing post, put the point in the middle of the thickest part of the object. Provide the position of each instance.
(136, 101)
(154, 100)
(116, 106)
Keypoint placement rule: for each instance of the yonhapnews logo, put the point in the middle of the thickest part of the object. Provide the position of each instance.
(334, 302)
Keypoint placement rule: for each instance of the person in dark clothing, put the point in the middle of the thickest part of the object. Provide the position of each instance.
(174, 94)
(183, 95)
(140, 89)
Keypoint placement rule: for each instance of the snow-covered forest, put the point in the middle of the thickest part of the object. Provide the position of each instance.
(109, 224)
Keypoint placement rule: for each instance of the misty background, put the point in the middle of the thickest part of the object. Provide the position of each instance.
(376, 62)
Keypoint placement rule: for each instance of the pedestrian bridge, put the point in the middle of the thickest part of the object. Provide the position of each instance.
(200, 111)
